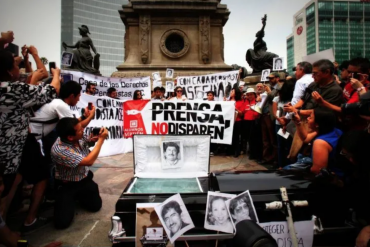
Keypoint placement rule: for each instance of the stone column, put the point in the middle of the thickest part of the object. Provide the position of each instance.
(205, 39)
(145, 38)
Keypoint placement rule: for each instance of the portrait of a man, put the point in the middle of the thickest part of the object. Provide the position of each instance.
(169, 73)
(265, 74)
(200, 95)
(169, 86)
(67, 58)
(278, 63)
(174, 217)
(156, 76)
(241, 208)
(172, 154)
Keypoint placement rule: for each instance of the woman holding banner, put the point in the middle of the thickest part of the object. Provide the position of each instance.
(179, 96)
(138, 95)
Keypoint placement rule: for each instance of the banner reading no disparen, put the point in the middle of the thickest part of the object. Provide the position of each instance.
(180, 118)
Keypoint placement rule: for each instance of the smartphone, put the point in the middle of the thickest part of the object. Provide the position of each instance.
(52, 65)
(89, 106)
(96, 131)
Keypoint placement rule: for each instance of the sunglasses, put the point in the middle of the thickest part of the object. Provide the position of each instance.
(179, 91)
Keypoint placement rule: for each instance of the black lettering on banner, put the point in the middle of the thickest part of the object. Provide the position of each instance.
(115, 132)
(216, 132)
(109, 114)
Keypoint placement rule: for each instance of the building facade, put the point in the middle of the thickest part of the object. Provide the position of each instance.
(343, 25)
(105, 26)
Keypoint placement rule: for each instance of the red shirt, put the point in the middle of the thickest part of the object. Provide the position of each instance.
(249, 114)
(350, 94)
(240, 106)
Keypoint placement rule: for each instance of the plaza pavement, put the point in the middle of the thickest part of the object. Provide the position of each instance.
(112, 175)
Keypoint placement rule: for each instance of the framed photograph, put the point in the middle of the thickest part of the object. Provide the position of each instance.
(174, 217)
(278, 63)
(217, 216)
(67, 58)
(169, 73)
(241, 208)
(199, 95)
(156, 76)
(148, 226)
(172, 154)
(170, 85)
(265, 74)
(67, 77)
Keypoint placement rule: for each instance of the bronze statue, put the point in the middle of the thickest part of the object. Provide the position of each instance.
(259, 58)
(82, 58)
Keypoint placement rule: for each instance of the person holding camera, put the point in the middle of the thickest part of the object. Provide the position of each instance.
(73, 178)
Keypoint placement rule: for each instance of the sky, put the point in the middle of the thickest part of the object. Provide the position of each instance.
(38, 23)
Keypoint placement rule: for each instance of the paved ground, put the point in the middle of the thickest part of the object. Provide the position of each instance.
(112, 174)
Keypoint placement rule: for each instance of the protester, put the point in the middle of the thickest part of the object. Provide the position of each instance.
(158, 94)
(90, 88)
(235, 95)
(112, 93)
(16, 98)
(323, 135)
(250, 126)
(179, 96)
(285, 94)
(268, 135)
(210, 96)
(138, 95)
(73, 179)
(344, 75)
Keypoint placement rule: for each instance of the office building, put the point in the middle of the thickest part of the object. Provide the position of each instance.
(104, 23)
(324, 24)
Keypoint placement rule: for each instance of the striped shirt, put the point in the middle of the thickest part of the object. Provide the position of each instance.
(67, 157)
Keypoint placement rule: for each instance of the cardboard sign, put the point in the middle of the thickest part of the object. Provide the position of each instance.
(280, 232)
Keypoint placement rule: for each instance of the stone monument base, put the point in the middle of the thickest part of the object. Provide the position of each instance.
(145, 70)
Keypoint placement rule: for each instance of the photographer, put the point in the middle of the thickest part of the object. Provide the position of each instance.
(73, 179)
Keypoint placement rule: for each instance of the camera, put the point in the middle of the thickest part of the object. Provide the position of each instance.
(96, 131)
(361, 108)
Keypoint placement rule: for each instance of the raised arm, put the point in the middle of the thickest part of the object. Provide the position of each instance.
(93, 155)
(39, 64)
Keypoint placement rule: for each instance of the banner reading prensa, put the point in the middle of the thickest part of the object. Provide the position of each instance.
(180, 118)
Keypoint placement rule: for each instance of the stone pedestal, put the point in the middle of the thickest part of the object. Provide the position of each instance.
(184, 35)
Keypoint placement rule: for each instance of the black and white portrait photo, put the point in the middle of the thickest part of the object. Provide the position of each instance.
(217, 217)
(172, 154)
(174, 217)
(265, 74)
(169, 73)
(241, 208)
(170, 85)
(199, 95)
(67, 58)
(156, 76)
(278, 63)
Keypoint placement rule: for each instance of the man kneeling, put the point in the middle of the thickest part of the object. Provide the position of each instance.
(73, 179)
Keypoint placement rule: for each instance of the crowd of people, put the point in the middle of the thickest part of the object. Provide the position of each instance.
(315, 120)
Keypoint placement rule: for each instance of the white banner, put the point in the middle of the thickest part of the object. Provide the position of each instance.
(280, 232)
(196, 87)
(180, 118)
(125, 86)
(109, 114)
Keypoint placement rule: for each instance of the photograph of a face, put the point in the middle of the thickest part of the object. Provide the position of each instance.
(278, 63)
(265, 74)
(156, 76)
(241, 208)
(170, 85)
(67, 58)
(169, 73)
(172, 154)
(174, 217)
(217, 217)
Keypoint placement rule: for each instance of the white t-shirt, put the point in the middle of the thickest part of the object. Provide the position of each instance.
(176, 99)
(55, 109)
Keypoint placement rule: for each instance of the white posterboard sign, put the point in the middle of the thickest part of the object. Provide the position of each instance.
(326, 54)
(280, 232)
(264, 75)
(278, 63)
